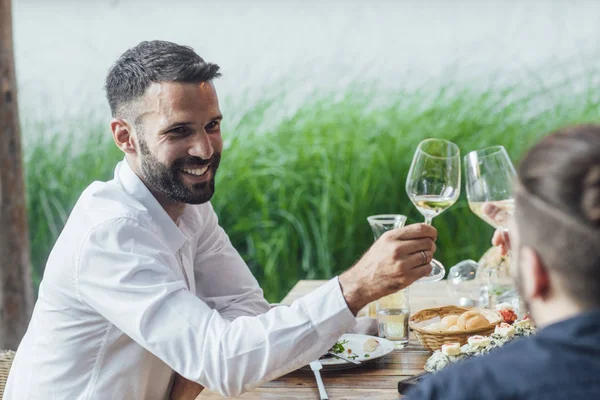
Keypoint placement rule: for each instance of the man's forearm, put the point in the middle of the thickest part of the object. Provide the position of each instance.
(353, 293)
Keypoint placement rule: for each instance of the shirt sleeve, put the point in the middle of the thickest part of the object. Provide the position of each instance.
(223, 280)
(124, 273)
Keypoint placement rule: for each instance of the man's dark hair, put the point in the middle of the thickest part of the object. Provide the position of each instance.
(558, 208)
(153, 61)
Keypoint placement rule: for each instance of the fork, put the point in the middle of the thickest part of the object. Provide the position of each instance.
(316, 367)
(344, 358)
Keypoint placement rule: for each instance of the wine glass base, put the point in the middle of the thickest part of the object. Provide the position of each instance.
(437, 273)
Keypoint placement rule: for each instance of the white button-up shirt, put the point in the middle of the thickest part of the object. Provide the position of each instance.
(128, 297)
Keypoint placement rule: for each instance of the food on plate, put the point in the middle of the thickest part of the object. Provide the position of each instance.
(439, 361)
(370, 345)
(508, 313)
(341, 347)
(451, 349)
(504, 329)
(479, 341)
(524, 323)
(338, 347)
(478, 345)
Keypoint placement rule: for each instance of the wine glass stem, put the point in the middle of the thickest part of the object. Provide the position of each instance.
(428, 220)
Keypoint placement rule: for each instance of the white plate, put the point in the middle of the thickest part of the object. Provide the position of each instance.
(355, 344)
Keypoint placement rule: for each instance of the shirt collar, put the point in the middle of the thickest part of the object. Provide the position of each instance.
(583, 326)
(134, 186)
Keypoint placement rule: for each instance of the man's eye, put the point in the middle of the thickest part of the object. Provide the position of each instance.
(213, 126)
(180, 130)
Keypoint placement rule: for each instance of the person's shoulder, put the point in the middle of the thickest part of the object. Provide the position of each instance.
(101, 202)
(476, 378)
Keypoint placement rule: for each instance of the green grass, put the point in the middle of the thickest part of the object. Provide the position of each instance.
(294, 194)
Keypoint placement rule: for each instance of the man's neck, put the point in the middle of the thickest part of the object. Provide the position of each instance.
(554, 310)
(174, 209)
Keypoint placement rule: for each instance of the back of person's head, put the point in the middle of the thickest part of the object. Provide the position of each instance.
(558, 209)
(153, 61)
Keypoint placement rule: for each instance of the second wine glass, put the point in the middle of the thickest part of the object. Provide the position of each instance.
(433, 185)
(490, 176)
(489, 180)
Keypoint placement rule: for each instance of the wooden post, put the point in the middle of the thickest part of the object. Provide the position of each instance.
(16, 291)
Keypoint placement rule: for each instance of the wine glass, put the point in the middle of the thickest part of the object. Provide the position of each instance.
(433, 185)
(489, 182)
(462, 283)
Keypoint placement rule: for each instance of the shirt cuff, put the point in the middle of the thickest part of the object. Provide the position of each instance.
(327, 309)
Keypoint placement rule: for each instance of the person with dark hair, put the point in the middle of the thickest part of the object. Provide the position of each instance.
(144, 295)
(555, 241)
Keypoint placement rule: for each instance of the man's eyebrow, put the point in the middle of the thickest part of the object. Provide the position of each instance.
(178, 123)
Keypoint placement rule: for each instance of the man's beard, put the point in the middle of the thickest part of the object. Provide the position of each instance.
(167, 180)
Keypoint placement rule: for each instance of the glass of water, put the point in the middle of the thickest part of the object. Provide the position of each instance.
(392, 311)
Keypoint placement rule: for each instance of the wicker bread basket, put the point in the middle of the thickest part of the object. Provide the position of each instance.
(433, 341)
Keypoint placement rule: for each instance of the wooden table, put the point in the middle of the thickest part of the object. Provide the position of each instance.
(377, 380)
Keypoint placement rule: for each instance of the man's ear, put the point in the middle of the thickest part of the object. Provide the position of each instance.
(123, 135)
(535, 275)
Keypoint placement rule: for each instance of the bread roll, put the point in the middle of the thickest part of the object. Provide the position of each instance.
(462, 319)
(450, 320)
(477, 321)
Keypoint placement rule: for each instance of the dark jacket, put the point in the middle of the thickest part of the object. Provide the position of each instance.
(560, 362)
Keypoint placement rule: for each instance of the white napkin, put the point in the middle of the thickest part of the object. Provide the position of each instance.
(365, 326)
(362, 326)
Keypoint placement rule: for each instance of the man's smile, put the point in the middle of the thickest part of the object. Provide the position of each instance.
(198, 171)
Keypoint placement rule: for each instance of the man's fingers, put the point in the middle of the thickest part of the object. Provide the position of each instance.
(418, 273)
(490, 209)
(414, 231)
(502, 239)
(412, 246)
(495, 213)
(416, 260)
(498, 238)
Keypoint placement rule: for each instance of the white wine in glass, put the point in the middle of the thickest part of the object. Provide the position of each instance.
(489, 182)
(495, 213)
(433, 185)
(431, 205)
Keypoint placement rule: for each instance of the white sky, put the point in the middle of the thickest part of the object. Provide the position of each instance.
(65, 47)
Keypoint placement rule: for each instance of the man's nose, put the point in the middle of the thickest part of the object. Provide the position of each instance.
(201, 146)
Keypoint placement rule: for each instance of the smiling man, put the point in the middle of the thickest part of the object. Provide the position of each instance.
(143, 286)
